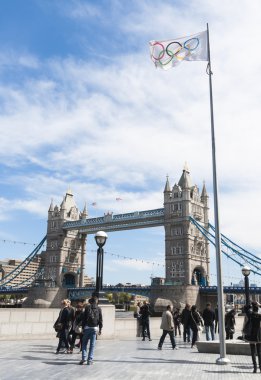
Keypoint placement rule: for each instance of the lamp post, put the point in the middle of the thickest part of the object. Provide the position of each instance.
(246, 272)
(100, 238)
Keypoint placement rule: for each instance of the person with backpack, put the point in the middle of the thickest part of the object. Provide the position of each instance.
(91, 325)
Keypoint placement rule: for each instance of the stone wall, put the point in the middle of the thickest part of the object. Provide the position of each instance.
(45, 297)
(38, 324)
(177, 294)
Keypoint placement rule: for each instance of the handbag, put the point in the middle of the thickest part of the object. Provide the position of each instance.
(199, 327)
(78, 329)
(58, 327)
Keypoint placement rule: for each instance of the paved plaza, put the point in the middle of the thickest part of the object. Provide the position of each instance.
(114, 359)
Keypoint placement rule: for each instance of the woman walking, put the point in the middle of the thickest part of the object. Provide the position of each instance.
(77, 327)
(252, 332)
(63, 323)
(195, 323)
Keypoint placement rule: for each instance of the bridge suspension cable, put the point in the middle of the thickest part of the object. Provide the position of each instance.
(20, 268)
(236, 255)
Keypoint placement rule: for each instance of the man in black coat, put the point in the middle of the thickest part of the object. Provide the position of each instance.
(209, 320)
(185, 316)
(145, 320)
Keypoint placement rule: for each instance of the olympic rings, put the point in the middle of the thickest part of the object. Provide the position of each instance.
(179, 47)
(161, 54)
(165, 52)
(188, 41)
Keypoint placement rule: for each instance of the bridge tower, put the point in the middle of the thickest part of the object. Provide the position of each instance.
(186, 249)
(64, 249)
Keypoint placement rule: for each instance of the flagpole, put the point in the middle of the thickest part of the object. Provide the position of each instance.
(222, 359)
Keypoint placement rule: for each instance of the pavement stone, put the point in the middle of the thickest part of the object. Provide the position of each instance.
(118, 360)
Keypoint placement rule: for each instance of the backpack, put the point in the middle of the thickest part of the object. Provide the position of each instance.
(93, 316)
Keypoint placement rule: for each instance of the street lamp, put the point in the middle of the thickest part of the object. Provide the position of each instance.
(246, 272)
(100, 238)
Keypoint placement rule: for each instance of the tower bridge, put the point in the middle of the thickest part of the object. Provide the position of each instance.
(188, 233)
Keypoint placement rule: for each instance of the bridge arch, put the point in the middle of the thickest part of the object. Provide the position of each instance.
(69, 280)
(199, 276)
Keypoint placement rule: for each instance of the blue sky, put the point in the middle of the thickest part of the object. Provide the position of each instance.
(83, 107)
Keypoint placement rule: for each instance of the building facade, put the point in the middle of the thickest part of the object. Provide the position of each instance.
(63, 257)
(186, 249)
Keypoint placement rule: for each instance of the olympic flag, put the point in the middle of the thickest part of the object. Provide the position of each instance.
(167, 54)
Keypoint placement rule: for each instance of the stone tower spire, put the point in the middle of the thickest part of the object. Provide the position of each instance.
(51, 208)
(185, 180)
(84, 212)
(167, 191)
(167, 186)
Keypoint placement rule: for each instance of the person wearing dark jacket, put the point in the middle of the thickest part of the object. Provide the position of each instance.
(91, 324)
(230, 323)
(63, 320)
(177, 322)
(185, 315)
(145, 320)
(194, 323)
(254, 333)
(209, 319)
(76, 327)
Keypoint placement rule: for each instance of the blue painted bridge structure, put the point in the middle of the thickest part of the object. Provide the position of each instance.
(119, 222)
(83, 293)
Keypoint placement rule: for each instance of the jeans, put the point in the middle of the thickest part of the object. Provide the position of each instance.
(88, 335)
(177, 328)
(145, 327)
(163, 336)
(211, 330)
(186, 332)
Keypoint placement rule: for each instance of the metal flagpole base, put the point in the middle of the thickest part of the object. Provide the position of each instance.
(222, 361)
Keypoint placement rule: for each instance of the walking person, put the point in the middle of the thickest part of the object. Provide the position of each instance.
(91, 324)
(177, 321)
(136, 313)
(185, 315)
(145, 320)
(195, 323)
(209, 320)
(230, 323)
(252, 332)
(71, 318)
(63, 323)
(77, 327)
(216, 320)
(167, 325)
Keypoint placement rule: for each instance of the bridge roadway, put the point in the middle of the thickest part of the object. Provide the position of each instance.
(119, 222)
(141, 290)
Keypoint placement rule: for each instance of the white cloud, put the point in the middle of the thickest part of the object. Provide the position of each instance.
(126, 125)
